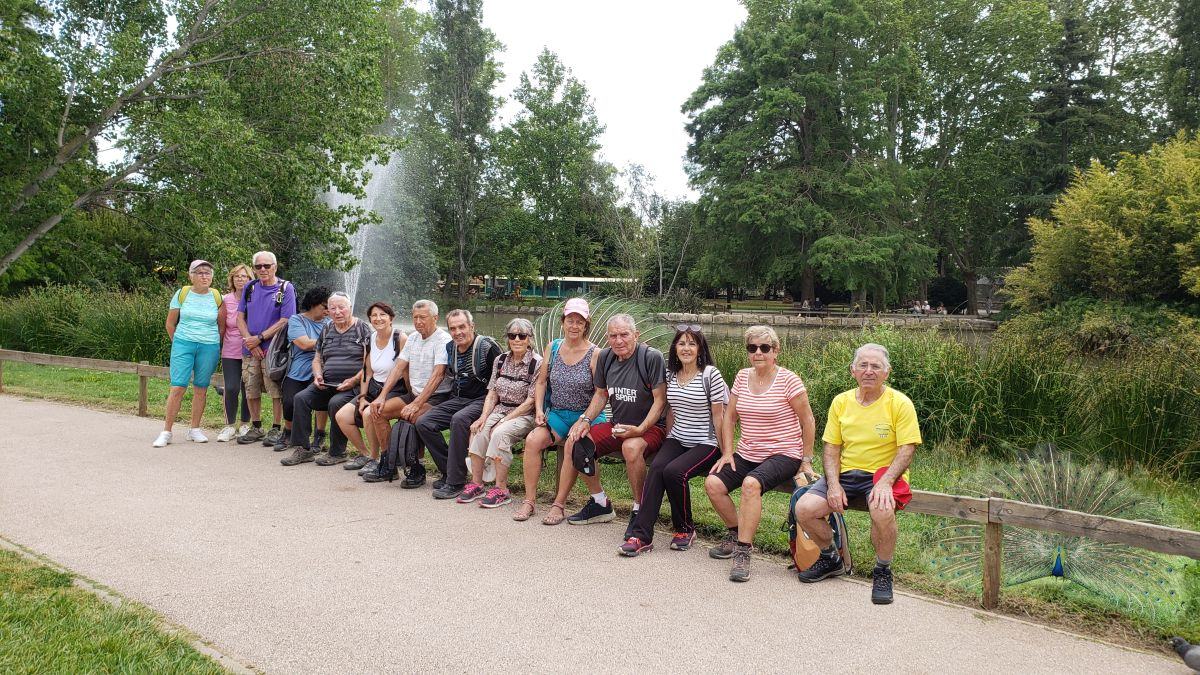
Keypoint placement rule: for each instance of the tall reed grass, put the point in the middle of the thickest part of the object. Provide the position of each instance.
(1014, 393)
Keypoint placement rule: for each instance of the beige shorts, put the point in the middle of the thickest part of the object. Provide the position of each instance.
(497, 440)
(254, 376)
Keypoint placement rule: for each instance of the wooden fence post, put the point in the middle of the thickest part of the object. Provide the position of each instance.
(993, 551)
(143, 391)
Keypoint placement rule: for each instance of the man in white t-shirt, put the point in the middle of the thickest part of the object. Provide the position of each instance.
(422, 362)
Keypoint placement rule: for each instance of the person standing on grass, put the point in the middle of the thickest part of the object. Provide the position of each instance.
(337, 369)
(776, 444)
(231, 356)
(194, 326)
(562, 392)
(422, 363)
(507, 415)
(264, 308)
(386, 345)
(469, 360)
(631, 376)
(870, 438)
(303, 331)
(696, 397)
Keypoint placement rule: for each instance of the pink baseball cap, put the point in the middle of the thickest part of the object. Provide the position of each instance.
(199, 263)
(577, 306)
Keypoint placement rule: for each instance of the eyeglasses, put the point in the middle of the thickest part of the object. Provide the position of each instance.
(516, 336)
(203, 272)
(687, 328)
(263, 266)
(766, 349)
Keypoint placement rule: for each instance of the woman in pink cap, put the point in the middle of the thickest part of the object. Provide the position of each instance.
(562, 393)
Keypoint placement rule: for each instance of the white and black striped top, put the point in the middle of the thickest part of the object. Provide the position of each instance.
(690, 408)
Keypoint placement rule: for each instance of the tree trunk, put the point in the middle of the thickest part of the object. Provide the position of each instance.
(970, 278)
(808, 284)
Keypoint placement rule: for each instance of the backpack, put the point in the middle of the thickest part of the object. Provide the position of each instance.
(183, 293)
(278, 356)
(553, 355)
(247, 296)
(804, 551)
(640, 352)
(478, 358)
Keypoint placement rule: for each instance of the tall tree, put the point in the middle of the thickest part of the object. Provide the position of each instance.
(1183, 68)
(455, 131)
(550, 151)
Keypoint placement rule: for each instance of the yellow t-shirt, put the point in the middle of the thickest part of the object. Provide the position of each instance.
(869, 435)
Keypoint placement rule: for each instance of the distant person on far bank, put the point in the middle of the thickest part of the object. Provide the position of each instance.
(265, 306)
(337, 369)
(870, 439)
(778, 430)
(231, 356)
(194, 326)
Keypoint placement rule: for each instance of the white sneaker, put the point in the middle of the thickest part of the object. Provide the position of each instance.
(226, 435)
(164, 437)
(244, 429)
(197, 436)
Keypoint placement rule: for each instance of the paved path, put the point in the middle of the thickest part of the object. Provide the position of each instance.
(308, 569)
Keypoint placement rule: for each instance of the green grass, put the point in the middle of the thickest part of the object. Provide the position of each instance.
(48, 625)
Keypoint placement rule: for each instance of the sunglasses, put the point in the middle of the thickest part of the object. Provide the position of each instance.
(766, 349)
(263, 266)
(516, 336)
(687, 328)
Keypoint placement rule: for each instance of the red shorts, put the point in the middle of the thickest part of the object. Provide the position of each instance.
(607, 444)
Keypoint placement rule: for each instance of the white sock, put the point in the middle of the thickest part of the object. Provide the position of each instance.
(601, 498)
(636, 506)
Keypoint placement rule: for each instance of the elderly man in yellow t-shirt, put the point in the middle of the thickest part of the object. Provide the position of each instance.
(870, 438)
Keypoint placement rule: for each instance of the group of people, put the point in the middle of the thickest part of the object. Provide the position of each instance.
(670, 417)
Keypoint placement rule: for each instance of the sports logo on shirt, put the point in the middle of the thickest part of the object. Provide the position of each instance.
(623, 394)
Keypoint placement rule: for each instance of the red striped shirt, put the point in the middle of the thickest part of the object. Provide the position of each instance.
(769, 425)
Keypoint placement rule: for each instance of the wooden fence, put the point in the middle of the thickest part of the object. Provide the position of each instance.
(992, 512)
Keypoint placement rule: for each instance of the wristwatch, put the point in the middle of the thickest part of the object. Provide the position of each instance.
(586, 420)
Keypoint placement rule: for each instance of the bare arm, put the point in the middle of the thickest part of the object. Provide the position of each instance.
(539, 389)
(881, 495)
(808, 428)
(656, 409)
(318, 375)
(725, 435)
(834, 494)
(172, 322)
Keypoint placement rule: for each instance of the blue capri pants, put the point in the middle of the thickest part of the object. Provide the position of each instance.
(560, 421)
(193, 360)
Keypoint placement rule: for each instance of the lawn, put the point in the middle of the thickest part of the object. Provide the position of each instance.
(941, 468)
(49, 625)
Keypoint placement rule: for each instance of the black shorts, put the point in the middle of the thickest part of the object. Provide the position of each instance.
(857, 485)
(772, 472)
(374, 388)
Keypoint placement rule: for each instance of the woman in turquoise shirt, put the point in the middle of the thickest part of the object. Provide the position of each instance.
(194, 326)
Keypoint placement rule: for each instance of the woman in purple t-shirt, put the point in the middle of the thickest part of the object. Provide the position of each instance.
(231, 356)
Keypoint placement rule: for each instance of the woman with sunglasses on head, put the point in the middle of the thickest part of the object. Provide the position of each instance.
(696, 397)
(778, 430)
(506, 418)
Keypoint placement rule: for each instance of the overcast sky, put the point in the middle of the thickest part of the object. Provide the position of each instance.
(639, 60)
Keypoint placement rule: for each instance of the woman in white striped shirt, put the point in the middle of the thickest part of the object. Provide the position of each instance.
(696, 397)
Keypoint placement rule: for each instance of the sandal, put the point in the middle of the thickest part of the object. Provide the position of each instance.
(526, 511)
(551, 519)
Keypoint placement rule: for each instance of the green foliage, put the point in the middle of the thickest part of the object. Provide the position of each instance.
(1132, 233)
(1183, 68)
(1089, 327)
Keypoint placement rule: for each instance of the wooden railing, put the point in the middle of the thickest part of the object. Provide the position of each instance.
(993, 513)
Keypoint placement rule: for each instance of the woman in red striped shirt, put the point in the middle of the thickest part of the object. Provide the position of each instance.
(778, 430)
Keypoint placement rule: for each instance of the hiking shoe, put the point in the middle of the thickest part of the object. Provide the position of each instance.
(593, 513)
(227, 434)
(413, 479)
(725, 549)
(318, 443)
(369, 467)
(824, 568)
(629, 527)
(633, 546)
(439, 483)
(376, 476)
(356, 462)
(164, 438)
(495, 498)
(881, 586)
(470, 493)
(284, 440)
(244, 429)
(682, 541)
(447, 492)
(741, 564)
(328, 459)
(272, 437)
(300, 455)
(197, 436)
(252, 435)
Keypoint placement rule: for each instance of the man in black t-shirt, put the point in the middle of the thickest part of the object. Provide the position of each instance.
(469, 368)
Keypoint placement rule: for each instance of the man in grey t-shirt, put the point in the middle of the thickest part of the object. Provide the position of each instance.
(630, 376)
